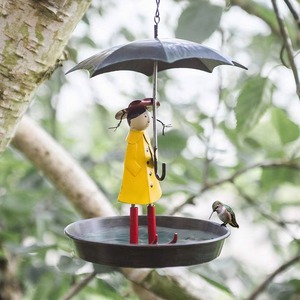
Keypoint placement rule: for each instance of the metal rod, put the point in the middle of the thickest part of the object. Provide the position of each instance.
(155, 143)
(151, 219)
(154, 108)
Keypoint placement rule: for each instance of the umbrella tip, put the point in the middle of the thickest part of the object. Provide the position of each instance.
(71, 70)
(77, 67)
(239, 65)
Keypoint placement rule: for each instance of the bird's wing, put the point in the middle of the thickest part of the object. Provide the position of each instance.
(233, 222)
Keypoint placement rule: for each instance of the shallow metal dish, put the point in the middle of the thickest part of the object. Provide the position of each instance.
(106, 241)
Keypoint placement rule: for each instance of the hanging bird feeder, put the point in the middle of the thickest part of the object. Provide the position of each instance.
(106, 240)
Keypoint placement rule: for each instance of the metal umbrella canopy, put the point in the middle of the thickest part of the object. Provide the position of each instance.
(149, 56)
(140, 55)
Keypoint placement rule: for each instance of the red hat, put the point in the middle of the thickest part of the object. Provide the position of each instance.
(146, 103)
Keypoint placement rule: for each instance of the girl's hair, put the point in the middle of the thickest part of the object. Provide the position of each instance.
(135, 113)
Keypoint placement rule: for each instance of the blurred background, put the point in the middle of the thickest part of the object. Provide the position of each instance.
(234, 138)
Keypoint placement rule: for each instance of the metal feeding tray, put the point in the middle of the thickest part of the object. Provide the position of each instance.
(106, 241)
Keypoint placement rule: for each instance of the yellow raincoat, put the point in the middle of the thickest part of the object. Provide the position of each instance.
(139, 185)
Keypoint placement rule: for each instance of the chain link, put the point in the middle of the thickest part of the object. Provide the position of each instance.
(157, 16)
(156, 19)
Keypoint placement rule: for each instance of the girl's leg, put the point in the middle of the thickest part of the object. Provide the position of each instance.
(134, 225)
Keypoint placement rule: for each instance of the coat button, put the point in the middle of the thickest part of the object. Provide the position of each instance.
(151, 184)
(150, 173)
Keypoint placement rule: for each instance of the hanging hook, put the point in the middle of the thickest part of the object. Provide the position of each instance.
(163, 167)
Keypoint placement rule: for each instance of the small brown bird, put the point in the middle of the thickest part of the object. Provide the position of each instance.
(225, 214)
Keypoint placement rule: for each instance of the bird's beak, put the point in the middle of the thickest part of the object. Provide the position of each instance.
(211, 214)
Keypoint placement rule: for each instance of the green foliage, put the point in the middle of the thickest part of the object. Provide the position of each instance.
(243, 149)
(167, 287)
(287, 130)
(271, 178)
(216, 284)
(198, 21)
(289, 290)
(252, 103)
(172, 144)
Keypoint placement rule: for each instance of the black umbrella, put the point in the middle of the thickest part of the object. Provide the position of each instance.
(150, 56)
(140, 55)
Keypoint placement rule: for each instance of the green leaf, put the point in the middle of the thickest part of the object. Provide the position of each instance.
(172, 144)
(287, 130)
(216, 284)
(274, 177)
(295, 283)
(166, 287)
(285, 290)
(49, 285)
(70, 265)
(253, 101)
(252, 143)
(268, 49)
(33, 249)
(265, 134)
(102, 269)
(107, 290)
(198, 21)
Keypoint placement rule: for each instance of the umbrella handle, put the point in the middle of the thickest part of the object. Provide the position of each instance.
(163, 168)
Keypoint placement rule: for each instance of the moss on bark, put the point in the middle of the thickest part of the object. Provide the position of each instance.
(35, 34)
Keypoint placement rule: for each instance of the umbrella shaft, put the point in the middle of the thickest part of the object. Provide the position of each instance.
(154, 106)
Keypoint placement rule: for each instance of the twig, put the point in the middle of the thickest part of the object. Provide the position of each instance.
(144, 285)
(279, 222)
(293, 12)
(264, 165)
(189, 200)
(288, 46)
(260, 11)
(266, 282)
(77, 287)
(204, 188)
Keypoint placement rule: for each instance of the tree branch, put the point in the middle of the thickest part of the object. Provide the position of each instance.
(62, 170)
(263, 165)
(277, 221)
(293, 12)
(167, 287)
(260, 11)
(267, 281)
(208, 186)
(287, 45)
(77, 287)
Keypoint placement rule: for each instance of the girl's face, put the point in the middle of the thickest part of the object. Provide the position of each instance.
(140, 122)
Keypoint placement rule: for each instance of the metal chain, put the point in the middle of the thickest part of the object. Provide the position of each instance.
(157, 16)
(156, 19)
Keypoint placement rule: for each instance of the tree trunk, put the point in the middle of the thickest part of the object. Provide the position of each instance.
(33, 37)
(10, 287)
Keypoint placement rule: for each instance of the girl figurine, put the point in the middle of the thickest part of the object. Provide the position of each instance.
(139, 185)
